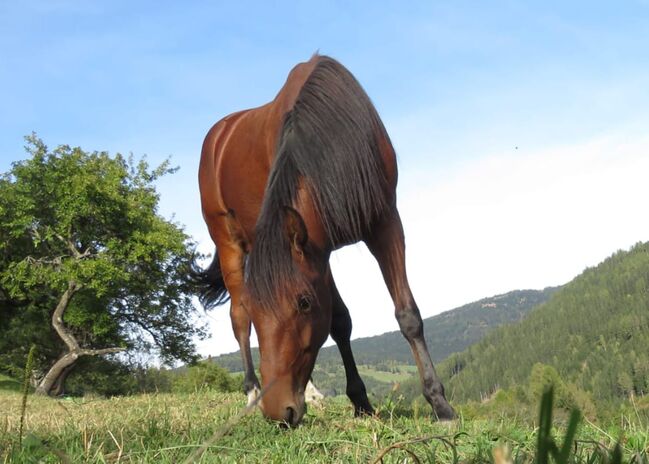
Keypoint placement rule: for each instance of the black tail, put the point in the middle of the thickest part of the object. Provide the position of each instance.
(209, 283)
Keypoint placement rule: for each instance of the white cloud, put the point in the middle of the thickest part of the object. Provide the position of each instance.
(503, 222)
(525, 221)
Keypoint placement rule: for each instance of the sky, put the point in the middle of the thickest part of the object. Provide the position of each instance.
(520, 127)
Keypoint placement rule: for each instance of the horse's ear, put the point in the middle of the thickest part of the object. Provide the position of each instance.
(295, 229)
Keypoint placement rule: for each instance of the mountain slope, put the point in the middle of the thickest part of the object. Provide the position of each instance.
(445, 333)
(594, 332)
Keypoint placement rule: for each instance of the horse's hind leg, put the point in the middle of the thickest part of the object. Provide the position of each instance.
(241, 328)
(341, 330)
(387, 245)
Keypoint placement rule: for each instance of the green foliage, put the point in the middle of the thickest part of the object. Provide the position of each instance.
(8, 383)
(29, 366)
(153, 380)
(101, 376)
(591, 340)
(203, 376)
(546, 444)
(68, 215)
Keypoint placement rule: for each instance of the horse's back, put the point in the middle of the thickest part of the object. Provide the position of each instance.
(238, 152)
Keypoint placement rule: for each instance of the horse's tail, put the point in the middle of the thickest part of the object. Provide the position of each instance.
(209, 283)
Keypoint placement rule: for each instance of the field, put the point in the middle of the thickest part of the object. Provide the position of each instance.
(171, 428)
(403, 372)
(7, 383)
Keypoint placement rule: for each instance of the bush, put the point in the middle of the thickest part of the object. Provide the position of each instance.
(153, 380)
(206, 375)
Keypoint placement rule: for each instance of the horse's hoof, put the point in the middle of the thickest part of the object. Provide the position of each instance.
(445, 412)
(363, 411)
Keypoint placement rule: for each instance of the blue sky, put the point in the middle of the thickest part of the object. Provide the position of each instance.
(469, 91)
(151, 77)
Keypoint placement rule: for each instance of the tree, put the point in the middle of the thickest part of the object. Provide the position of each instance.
(87, 265)
(206, 375)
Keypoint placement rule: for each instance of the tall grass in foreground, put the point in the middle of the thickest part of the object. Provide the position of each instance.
(169, 428)
(29, 366)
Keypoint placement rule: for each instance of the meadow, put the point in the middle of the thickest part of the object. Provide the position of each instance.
(209, 427)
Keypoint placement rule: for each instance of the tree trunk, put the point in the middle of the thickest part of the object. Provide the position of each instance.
(65, 363)
(58, 388)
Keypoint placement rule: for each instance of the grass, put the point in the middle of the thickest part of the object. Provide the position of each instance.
(7, 383)
(168, 428)
(405, 373)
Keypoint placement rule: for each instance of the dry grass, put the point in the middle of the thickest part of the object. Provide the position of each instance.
(168, 428)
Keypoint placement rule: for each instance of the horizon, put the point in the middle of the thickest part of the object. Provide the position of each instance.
(487, 298)
(520, 129)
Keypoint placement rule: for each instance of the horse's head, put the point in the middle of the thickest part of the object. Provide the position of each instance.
(294, 327)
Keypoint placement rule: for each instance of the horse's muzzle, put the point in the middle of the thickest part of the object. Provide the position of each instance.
(293, 415)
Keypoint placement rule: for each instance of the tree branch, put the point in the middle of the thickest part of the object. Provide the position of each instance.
(88, 352)
(65, 362)
(56, 261)
(57, 316)
(133, 319)
(73, 249)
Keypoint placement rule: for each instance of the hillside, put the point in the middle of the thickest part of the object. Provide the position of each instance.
(445, 333)
(594, 332)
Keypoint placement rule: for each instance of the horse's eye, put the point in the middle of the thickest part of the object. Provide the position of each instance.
(304, 304)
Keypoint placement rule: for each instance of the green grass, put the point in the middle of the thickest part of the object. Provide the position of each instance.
(168, 428)
(7, 383)
(405, 373)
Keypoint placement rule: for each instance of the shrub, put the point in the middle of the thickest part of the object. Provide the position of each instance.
(206, 375)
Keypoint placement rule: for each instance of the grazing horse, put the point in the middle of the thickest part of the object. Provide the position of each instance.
(282, 186)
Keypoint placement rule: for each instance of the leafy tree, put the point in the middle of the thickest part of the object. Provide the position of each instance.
(542, 377)
(87, 265)
(206, 375)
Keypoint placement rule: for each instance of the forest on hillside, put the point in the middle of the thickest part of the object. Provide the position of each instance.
(445, 333)
(592, 337)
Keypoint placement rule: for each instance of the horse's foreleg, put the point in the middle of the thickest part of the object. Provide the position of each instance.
(232, 268)
(341, 330)
(387, 245)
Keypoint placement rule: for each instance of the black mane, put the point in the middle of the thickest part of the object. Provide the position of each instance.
(329, 141)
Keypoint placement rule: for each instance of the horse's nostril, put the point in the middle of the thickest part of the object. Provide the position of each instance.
(290, 415)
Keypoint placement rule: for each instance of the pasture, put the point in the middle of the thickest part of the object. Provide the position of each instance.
(170, 428)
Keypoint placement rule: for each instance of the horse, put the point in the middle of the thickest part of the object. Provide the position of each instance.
(281, 187)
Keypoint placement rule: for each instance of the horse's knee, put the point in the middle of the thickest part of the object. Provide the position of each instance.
(410, 322)
(240, 322)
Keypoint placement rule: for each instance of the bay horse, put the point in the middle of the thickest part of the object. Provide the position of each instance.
(282, 186)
